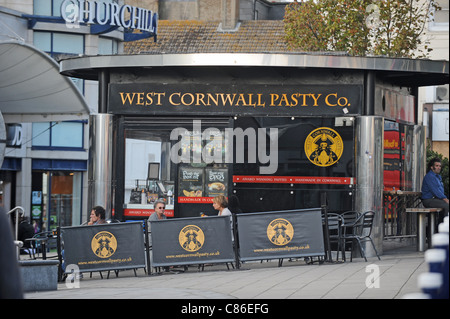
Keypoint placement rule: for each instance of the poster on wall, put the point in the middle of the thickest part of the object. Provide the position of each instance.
(190, 182)
(216, 182)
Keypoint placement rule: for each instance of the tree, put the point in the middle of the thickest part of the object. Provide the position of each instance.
(393, 28)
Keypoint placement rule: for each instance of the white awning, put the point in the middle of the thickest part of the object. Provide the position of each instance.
(33, 90)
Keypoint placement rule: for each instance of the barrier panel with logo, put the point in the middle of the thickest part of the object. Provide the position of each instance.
(104, 247)
(187, 241)
(277, 235)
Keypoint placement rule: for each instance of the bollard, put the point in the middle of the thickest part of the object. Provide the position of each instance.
(441, 241)
(430, 283)
(436, 260)
(443, 228)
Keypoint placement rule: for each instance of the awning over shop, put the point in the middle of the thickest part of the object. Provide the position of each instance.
(33, 90)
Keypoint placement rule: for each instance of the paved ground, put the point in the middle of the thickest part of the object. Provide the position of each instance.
(391, 278)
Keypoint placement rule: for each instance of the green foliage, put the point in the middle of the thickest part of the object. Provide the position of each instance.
(392, 28)
(444, 171)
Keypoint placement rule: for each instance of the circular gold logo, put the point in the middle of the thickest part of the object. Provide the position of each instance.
(191, 238)
(324, 146)
(280, 231)
(104, 244)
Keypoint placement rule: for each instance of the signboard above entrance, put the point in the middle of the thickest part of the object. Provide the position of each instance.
(102, 13)
(252, 99)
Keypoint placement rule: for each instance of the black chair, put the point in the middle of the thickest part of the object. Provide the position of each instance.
(348, 219)
(359, 231)
(334, 231)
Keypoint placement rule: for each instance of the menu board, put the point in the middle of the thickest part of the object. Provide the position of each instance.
(201, 185)
(216, 182)
(190, 182)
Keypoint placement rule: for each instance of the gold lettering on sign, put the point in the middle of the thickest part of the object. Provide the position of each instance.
(233, 99)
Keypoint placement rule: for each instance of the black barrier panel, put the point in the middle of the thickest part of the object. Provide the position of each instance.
(284, 234)
(104, 247)
(187, 241)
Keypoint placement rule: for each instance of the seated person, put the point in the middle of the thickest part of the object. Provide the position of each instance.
(433, 189)
(97, 216)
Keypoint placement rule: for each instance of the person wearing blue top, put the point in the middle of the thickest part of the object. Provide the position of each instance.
(433, 189)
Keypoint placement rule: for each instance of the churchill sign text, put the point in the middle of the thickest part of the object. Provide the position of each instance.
(234, 99)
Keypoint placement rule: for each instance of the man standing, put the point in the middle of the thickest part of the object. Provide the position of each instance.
(433, 189)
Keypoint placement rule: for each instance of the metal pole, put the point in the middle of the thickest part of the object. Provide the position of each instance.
(323, 200)
(16, 226)
(100, 162)
(369, 175)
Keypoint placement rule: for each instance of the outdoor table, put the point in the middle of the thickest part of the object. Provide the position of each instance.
(422, 214)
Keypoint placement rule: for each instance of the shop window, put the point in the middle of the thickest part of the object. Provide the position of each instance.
(188, 186)
(58, 135)
(56, 199)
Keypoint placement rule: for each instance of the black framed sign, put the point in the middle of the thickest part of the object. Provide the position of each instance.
(104, 247)
(284, 234)
(186, 241)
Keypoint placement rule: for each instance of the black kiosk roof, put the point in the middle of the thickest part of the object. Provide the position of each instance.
(401, 71)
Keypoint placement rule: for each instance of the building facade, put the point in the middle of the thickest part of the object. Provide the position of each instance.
(45, 162)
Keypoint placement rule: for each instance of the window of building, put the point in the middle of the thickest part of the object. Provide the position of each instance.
(56, 43)
(59, 45)
(107, 46)
(58, 135)
(53, 7)
(441, 17)
(47, 7)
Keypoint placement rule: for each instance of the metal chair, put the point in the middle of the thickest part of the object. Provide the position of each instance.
(360, 232)
(348, 219)
(334, 231)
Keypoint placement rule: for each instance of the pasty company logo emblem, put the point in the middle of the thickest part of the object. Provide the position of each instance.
(280, 231)
(324, 146)
(191, 238)
(104, 244)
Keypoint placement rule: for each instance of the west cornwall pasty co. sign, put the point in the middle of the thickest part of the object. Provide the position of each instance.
(156, 98)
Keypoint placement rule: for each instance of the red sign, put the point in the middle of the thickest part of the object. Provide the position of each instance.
(195, 200)
(293, 179)
(137, 212)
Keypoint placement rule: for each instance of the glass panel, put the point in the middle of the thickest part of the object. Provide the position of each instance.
(57, 7)
(61, 199)
(42, 40)
(78, 83)
(315, 154)
(41, 134)
(67, 134)
(42, 7)
(105, 46)
(68, 43)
